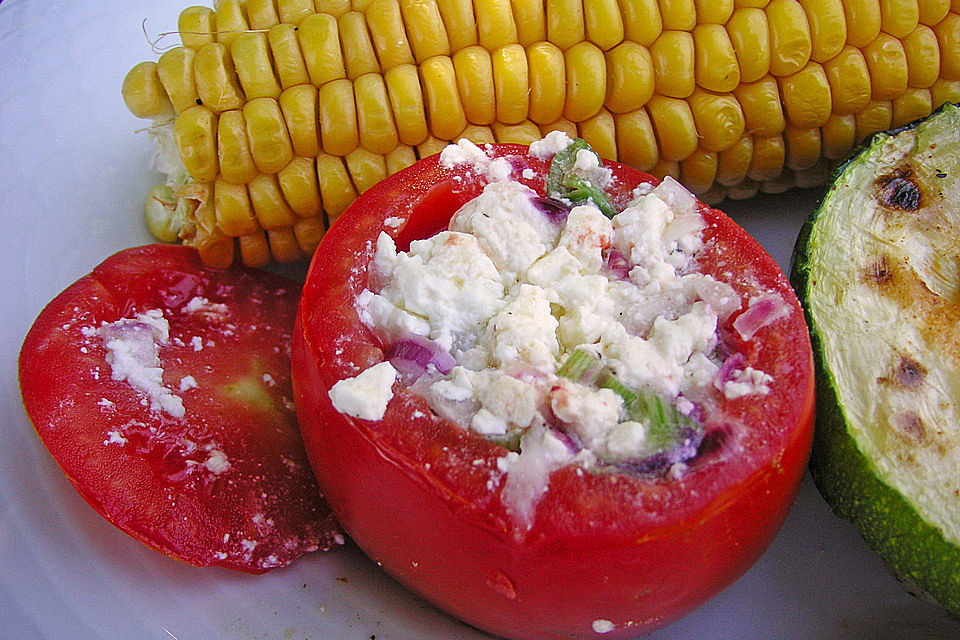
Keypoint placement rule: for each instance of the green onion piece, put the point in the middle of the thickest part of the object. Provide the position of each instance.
(666, 425)
(562, 182)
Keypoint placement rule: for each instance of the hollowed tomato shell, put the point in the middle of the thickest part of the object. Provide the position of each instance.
(608, 555)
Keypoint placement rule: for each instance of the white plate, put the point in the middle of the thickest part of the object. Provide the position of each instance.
(73, 174)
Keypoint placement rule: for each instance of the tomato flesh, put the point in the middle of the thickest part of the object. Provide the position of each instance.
(228, 484)
(608, 555)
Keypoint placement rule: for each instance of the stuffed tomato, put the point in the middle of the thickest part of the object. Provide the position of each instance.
(552, 396)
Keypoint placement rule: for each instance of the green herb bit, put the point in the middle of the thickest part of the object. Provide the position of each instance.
(562, 182)
(665, 424)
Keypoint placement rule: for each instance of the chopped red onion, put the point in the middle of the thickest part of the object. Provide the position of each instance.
(659, 462)
(725, 373)
(412, 354)
(761, 311)
(555, 210)
(618, 264)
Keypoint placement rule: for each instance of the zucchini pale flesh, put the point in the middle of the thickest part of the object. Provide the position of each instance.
(878, 267)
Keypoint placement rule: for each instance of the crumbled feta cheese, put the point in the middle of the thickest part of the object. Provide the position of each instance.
(115, 437)
(745, 382)
(393, 222)
(188, 382)
(551, 144)
(217, 463)
(133, 353)
(602, 626)
(366, 395)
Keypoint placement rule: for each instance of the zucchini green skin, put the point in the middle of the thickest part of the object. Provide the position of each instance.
(916, 552)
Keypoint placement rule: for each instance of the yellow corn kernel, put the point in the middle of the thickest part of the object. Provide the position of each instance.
(548, 82)
(215, 78)
(734, 162)
(287, 59)
(309, 232)
(828, 28)
(636, 140)
(769, 155)
(849, 80)
(945, 91)
(338, 117)
(143, 93)
(233, 150)
(887, 64)
(698, 171)
(293, 11)
(803, 148)
(863, 21)
(565, 26)
(875, 116)
(762, 108)
(522, 133)
(230, 21)
(428, 37)
(713, 11)
(564, 125)
(933, 11)
(641, 20)
(604, 25)
(478, 134)
(673, 64)
(366, 168)
(495, 25)
(299, 107)
(335, 8)
(197, 26)
(510, 83)
(195, 134)
(923, 57)
(839, 134)
(629, 77)
(374, 118)
(400, 158)
(679, 15)
(719, 119)
(911, 105)
(254, 249)
(586, 81)
(665, 168)
(750, 38)
(358, 55)
(790, 44)
(389, 36)
(261, 14)
(899, 17)
(298, 183)
(460, 23)
(714, 195)
(715, 62)
(781, 184)
(743, 190)
(251, 57)
(406, 100)
(232, 204)
(600, 133)
(283, 245)
(267, 135)
(674, 127)
(948, 36)
(474, 71)
(445, 113)
(750, 4)
(269, 206)
(175, 70)
(336, 188)
(806, 97)
(320, 45)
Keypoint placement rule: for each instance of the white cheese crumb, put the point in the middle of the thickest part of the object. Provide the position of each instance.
(464, 152)
(133, 353)
(602, 626)
(196, 342)
(188, 382)
(366, 395)
(393, 222)
(115, 437)
(198, 303)
(552, 144)
(269, 380)
(746, 382)
(217, 463)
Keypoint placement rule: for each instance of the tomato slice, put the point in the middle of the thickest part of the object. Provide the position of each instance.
(204, 462)
(608, 555)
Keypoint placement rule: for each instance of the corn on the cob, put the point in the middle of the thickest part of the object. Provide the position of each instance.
(282, 111)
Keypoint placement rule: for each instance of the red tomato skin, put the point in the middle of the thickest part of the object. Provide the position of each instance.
(143, 486)
(407, 488)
